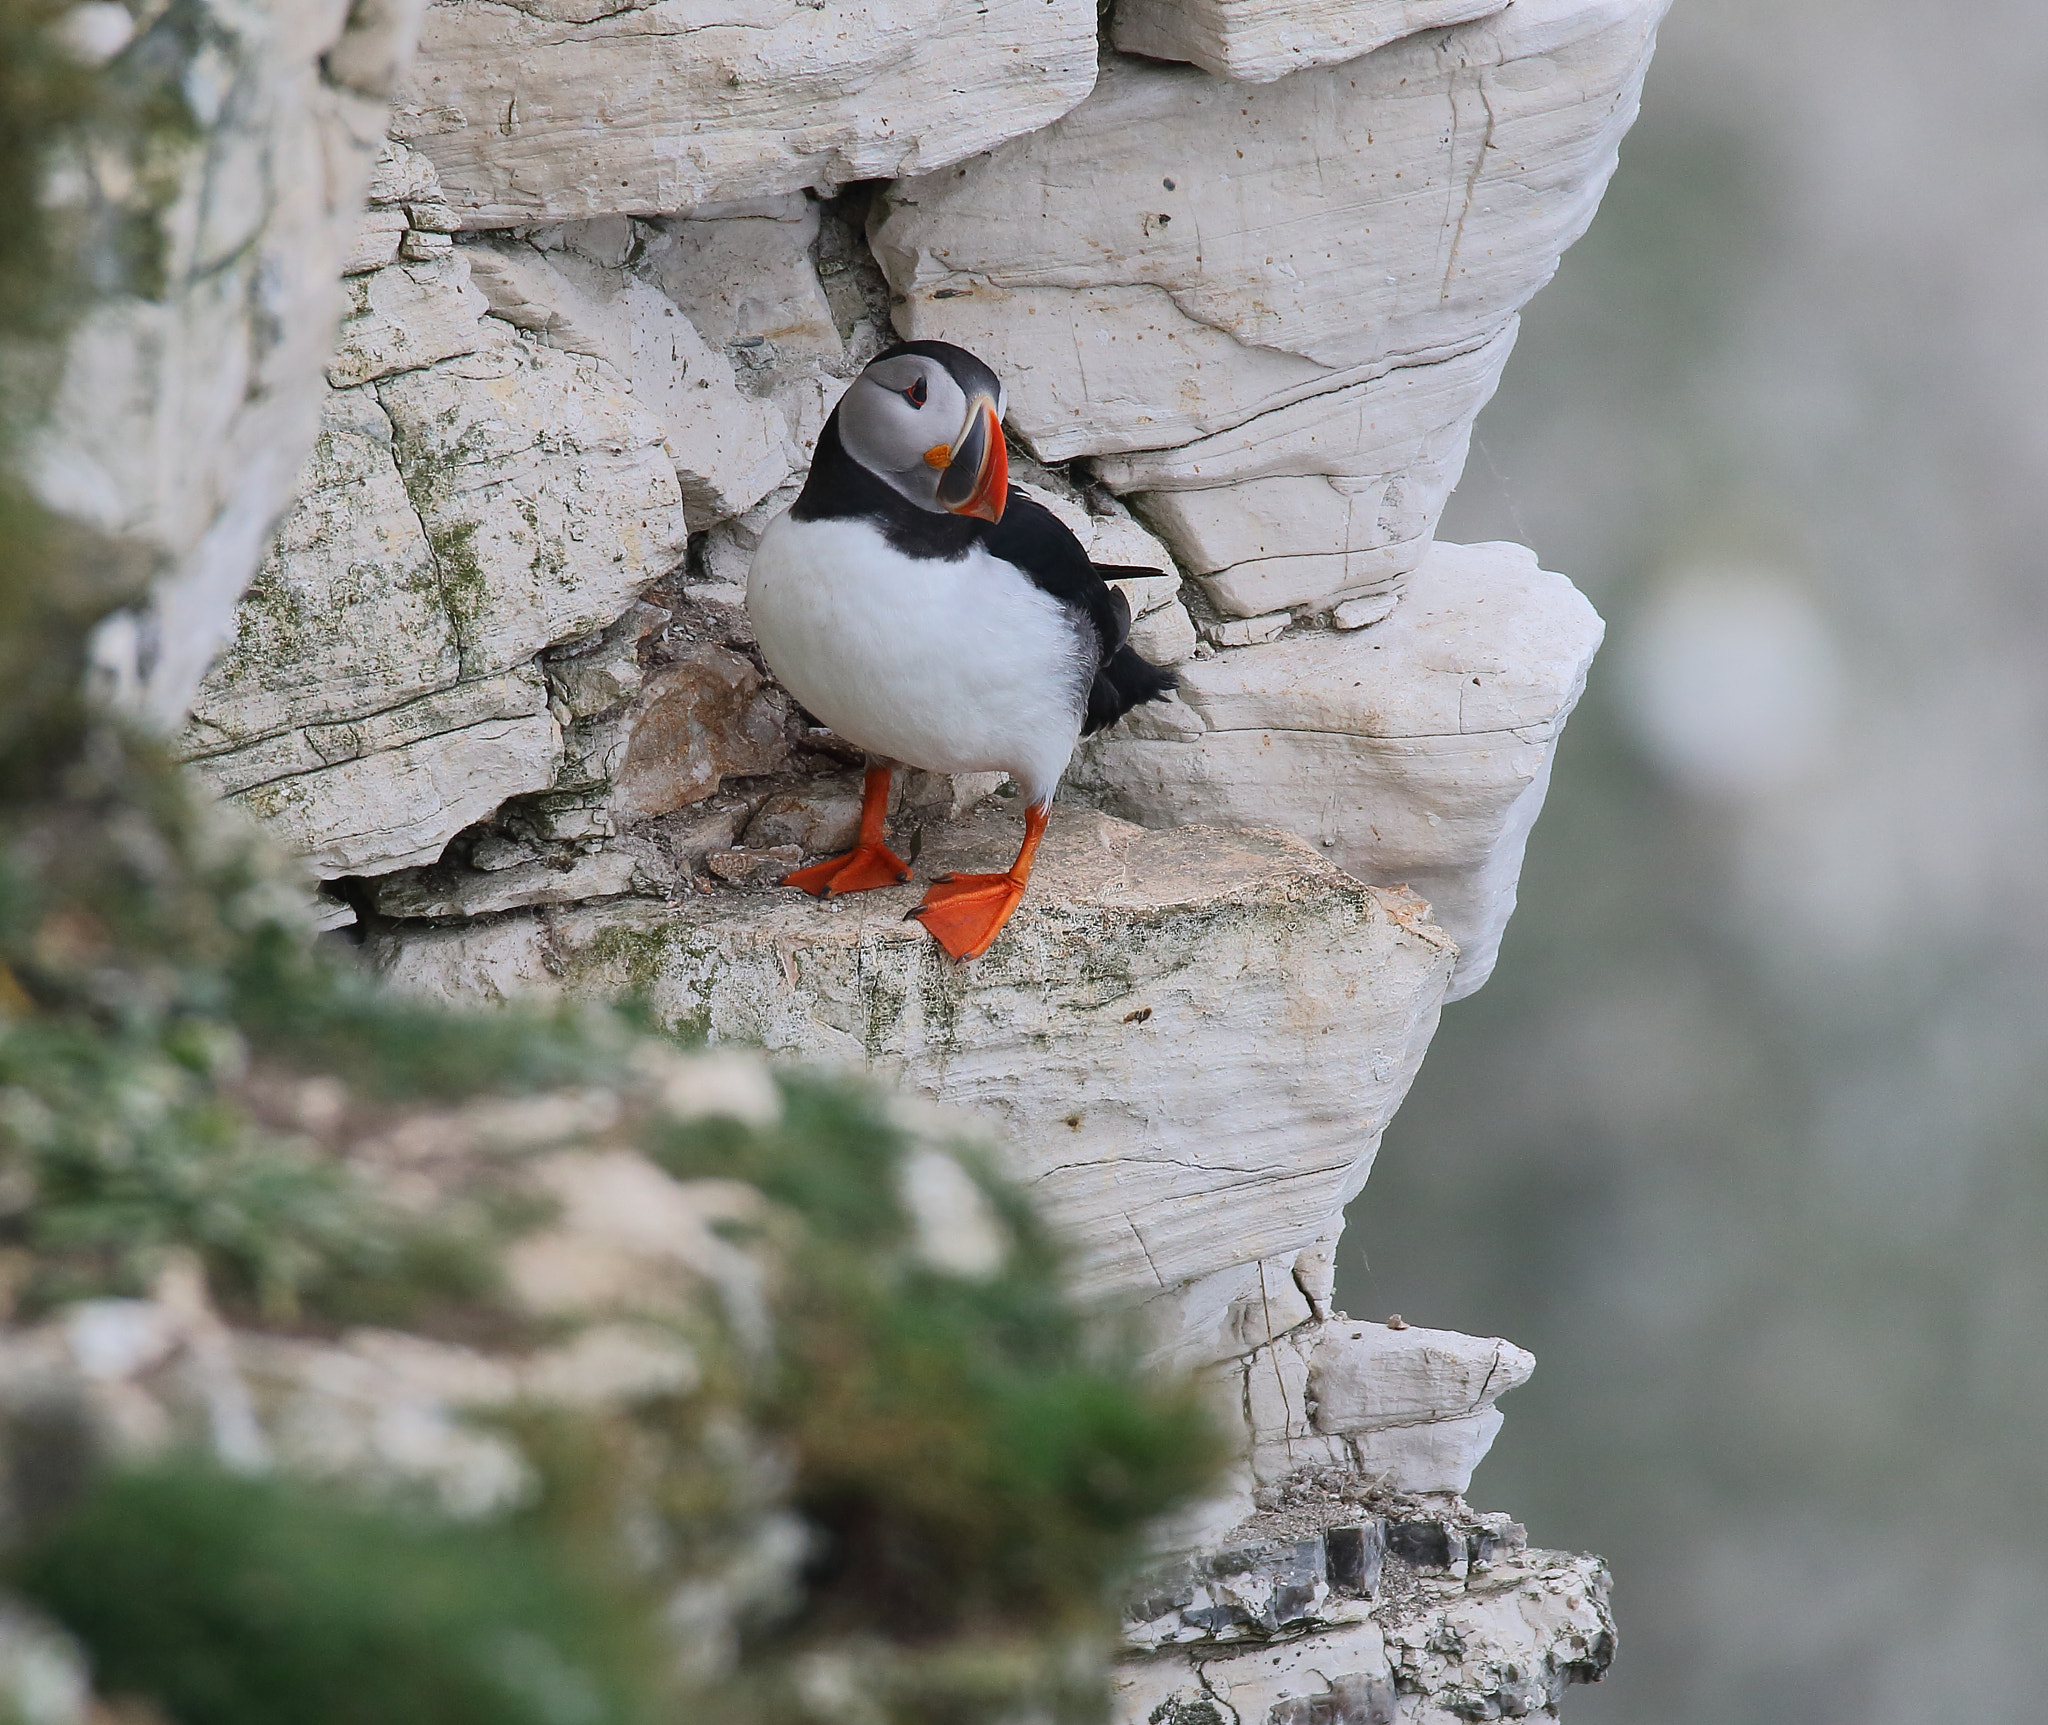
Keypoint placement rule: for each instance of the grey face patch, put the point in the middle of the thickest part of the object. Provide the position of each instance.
(887, 428)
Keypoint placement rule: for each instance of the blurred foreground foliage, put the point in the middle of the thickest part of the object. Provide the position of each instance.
(228, 1600)
(967, 1462)
(971, 1460)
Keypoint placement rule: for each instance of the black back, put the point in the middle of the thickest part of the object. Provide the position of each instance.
(1029, 536)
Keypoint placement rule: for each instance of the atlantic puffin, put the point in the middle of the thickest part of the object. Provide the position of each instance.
(931, 614)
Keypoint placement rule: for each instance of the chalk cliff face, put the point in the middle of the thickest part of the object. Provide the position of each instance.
(494, 681)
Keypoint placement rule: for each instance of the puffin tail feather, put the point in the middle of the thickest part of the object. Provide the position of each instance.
(1126, 681)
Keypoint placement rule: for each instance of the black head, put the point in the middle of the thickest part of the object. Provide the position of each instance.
(926, 418)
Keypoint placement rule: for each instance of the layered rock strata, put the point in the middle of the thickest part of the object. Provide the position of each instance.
(1256, 41)
(1373, 1609)
(1272, 310)
(1174, 1022)
(595, 107)
(1445, 716)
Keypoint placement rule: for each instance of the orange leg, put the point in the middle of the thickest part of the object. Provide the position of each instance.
(965, 912)
(870, 863)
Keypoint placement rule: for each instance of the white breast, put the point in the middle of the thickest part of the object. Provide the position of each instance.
(955, 667)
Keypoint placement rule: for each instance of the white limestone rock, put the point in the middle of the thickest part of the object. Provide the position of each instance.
(1204, 283)
(515, 694)
(346, 617)
(820, 818)
(481, 892)
(185, 405)
(1265, 541)
(1256, 41)
(398, 807)
(592, 678)
(1165, 636)
(1285, 259)
(1342, 1677)
(1500, 1639)
(544, 491)
(1193, 1038)
(1247, 631)
(401, 177)
(728, 449)
(743, 271)
(551, 110)
(376, 240)
(1413, 1408)
(1505, 1644)
(404, 317)
(1366, 1377)
(1415, 752)
(1227, 1314)
(749, 274)
(463, 515)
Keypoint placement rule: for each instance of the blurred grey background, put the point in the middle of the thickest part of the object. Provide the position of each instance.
(1748, 1138)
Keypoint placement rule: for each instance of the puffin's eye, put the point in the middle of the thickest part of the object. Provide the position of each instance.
(915, 394)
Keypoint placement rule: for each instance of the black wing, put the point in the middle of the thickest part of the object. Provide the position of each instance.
(1038, 542)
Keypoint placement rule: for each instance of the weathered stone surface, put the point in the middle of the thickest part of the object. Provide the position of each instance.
(187, 401)
(743, 272)
(820, 819)
(728, 449)
(462, 515)
(1340, 1678)
(517, 694)
(1258, 1592)
(707, 714)
(544, 111)
(593, 678)
(1411, 1407)
(544, 492)
(1259, 545)
(480, 892)
(1256, 41)
(1504, 1644)
(1313, 278)
(346, 616)
(399, 807)
(1171, 1024)
(1277, 279)
(1228, 1313)
(754, 870)
(1165, 636)
(400, 178)
(404, 317)
(1501, 1638)
(1416, 751)
(376, 240)
(1367, 1377)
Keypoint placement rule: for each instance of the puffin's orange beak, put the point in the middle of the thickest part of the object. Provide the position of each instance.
(977, 478)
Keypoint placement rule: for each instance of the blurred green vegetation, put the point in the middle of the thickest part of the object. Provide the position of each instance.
(229, 1600)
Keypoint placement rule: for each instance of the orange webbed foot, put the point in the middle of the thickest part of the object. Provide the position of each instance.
(862, 869)
(965, 912)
